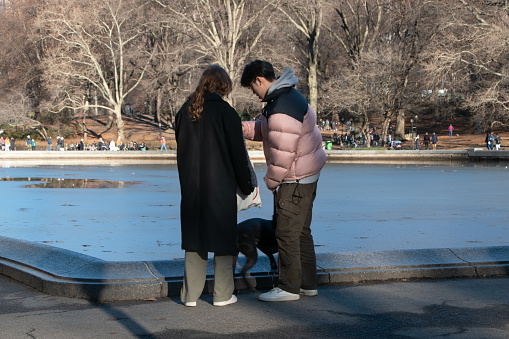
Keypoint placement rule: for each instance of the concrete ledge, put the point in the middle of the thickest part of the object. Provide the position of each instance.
(479, 154)
(65, 273)
(397, 156)
(333, 156)
(414, 264)
(98, 157)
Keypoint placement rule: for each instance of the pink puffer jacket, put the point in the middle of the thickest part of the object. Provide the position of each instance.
(293, 149)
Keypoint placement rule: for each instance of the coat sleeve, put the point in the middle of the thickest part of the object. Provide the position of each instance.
(252, 130)
(238, 152)
(178, 119)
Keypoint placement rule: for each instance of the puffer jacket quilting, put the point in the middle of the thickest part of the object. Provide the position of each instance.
(293, 149)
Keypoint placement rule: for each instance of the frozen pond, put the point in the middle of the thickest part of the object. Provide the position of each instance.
(131, 213)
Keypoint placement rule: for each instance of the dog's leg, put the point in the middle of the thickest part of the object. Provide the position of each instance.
(273, 265)
(251, 259)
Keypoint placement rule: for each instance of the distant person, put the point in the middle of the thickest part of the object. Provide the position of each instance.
(212, 162)
(13, 144)
(497, 142)
(491, 141)
(33, 145)
(29, 143)
(50, 144)
(163, 144)
(417, 142)
(7, 143)
(426, 141)
(450, 129)
(58, 143)
(434, 141)
(479, 128)
(119, 144)
(389, 141)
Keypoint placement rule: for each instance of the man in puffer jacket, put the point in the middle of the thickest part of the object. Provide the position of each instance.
(292, 144)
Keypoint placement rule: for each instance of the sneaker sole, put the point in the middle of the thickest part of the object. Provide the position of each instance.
(227, 302)
(286, 298)
(224, 303)
(309, 293)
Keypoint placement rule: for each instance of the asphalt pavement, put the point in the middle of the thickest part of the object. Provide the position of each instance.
(451, 308)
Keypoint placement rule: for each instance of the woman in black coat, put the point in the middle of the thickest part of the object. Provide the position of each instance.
(212, 162)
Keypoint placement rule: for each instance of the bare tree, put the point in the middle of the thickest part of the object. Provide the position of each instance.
(164, 83)
(383, 41)
(21, 52)
(99, 45)
(469, 58)
(306, 16)
(225, 32)
(356, 30)
(16, 110)
(359, 22)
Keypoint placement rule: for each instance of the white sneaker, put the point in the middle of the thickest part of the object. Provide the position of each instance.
(277, 294)
(232, 300)
(309, 293)
(190, 303)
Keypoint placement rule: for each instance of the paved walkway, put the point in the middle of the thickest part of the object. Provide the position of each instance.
(451, 308)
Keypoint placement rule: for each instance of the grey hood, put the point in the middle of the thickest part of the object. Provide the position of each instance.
(286, 79)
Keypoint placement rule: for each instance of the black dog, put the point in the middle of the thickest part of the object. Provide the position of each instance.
(252, 234)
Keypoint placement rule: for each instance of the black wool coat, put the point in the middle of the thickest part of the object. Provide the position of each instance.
(211, 161)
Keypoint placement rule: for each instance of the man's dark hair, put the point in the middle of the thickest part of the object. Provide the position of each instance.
(257, 68)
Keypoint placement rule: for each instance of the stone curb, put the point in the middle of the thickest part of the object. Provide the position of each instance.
(333, 156)
(66, 273)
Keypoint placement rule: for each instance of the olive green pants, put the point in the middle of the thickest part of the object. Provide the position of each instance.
(293, 233)
(195, 274)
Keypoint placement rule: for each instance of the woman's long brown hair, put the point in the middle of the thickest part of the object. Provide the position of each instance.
(213, 80)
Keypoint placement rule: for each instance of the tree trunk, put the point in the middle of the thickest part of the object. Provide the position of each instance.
(151, 103)
(85, 134)
(365, 130)
(96, 112)
(312, 83)
(159, 106)
(120, 122)
(110, 120)
(399, 132)
(385, 126)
